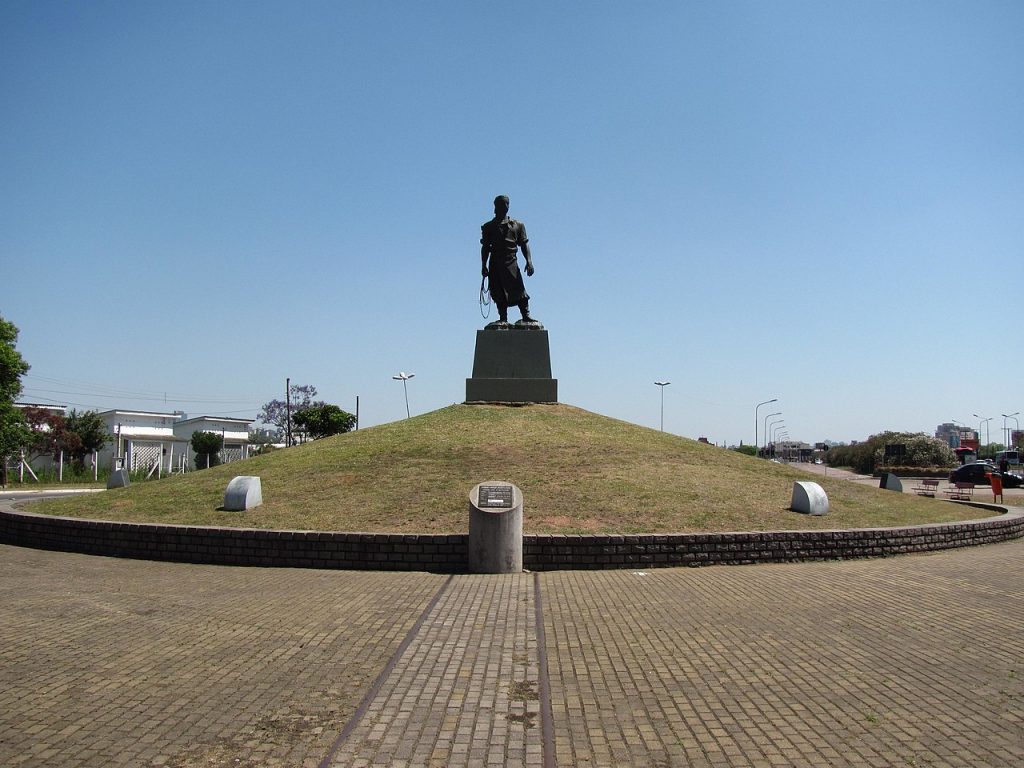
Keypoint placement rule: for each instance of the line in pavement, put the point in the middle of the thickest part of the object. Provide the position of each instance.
(364, 705)
(547, 726)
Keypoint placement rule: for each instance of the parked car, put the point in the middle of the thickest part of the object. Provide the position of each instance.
(1012, 480)
(977, 472)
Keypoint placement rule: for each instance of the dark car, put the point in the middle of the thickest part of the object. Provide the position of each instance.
(977, 472)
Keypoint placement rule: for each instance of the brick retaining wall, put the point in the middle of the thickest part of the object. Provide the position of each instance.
(448, 553)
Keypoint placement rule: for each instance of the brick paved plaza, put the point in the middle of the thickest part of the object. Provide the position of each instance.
(908, 661)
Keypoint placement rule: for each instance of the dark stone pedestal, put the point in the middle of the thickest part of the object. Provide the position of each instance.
(512, 366)
(889, 482)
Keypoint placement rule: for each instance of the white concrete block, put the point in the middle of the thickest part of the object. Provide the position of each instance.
(244, 492)
(809, 498)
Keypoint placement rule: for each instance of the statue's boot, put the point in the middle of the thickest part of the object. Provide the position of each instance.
(524, 307)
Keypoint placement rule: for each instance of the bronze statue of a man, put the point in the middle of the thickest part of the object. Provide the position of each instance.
(499, 240)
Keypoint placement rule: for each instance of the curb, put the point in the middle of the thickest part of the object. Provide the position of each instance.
(448, 553)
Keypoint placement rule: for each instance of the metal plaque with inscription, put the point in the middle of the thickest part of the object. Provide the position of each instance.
(495, 496)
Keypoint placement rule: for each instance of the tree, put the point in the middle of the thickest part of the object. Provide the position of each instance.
(84, 433)
(919, 450)
(323, 420)
(990, 450)
(14, 433)
(47, 427)
(207, 446)
(275, 413)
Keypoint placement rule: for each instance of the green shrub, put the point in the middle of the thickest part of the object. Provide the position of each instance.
(207, 446)
(920, 450)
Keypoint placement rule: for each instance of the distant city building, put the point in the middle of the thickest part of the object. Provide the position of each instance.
(957, 436)
(792, 450)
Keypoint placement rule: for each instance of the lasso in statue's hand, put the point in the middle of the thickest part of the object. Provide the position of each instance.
(485, 300)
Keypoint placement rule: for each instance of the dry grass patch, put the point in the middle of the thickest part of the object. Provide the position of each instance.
(580, 473)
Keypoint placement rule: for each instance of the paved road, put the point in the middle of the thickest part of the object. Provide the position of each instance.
(8, 497)
(983, 493)
(909, 661)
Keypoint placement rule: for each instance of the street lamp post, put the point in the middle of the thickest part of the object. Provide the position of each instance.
(778, 428)
(782, 437)
(1006, 429)
(661, 386)
(769, 429)
(984, 420)
(773, 400)
(404, 377)
(777, 413)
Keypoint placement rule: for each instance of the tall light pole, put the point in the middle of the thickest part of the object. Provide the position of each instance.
(984, 420)
(780, 437)
(288, 411)
(661, 386)
(404, 377)
(778, 413)
(773, 400)
(778, 428)
(769, 432)
(1006, 430)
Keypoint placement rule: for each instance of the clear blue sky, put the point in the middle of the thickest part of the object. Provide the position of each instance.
(819, 202)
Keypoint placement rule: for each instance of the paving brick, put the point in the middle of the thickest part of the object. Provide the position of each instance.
(907, 660)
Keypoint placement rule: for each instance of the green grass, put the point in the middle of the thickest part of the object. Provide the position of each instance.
(579, 472)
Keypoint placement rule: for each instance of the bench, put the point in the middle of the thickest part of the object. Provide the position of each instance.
(961, 491)
(928, 487)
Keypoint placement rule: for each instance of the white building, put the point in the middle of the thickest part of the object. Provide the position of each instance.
(157, 441)
(234, 431)
(142, 440)
(59, 410)
(161, 442)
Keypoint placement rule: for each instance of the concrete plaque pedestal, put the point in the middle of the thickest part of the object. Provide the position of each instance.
(496, 528)
(512, 366)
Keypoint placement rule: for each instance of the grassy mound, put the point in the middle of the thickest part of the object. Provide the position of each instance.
(579, 472)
